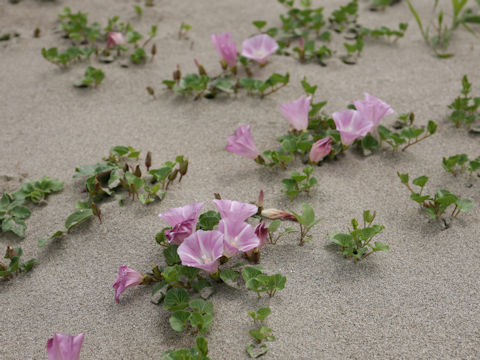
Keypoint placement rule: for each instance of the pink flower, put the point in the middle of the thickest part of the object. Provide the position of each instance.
(241, 143)
(64, 347)
(373, 109)
(234, 210)
(226, 48)
(297, 112)
(183, 220)
(262, 232)
(115, 39)
(259, 47)
(351, 125)
(320, 149)
(126, 278)
(202, 250)
(238, 236)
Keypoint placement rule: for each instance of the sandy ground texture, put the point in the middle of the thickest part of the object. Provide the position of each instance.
(420, 301)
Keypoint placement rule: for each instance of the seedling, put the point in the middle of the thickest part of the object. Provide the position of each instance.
(306, 222)
(298, 182)
(435, 205)
(15, 266)
(272, 229)
(440, 37)
(91, 77)
(183, 31)
(465, 108)
(260, 333)
(357, 243)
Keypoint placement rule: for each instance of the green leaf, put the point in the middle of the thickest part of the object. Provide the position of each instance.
(176, 299)
(250, 272)
(179, 319)
(464, 204)
(202, 346)
(230, 277)
(20, 212)
(256, 350)
(17, 226)
(403, 178)
(78, 217)
(380, 247)
(308, 215)
(274, 225)
(201, 306)
(432, 127)
(171, 256)
(343, 240)
(259, 24)
(208, 220)
(369, 142)
(420, 181)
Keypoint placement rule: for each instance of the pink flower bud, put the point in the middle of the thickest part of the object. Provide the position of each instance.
(115, 39)
(278, 214)
(320, 149)
(226, 48)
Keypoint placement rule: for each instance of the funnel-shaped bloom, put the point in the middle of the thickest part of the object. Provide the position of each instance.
(226, 48)
(234, 210)
(259, 47)
(241, 143)
(202, 250)
(183, 220)
(262, 233)
(297, 112)
(373, 109)
(320, 149)
(115, 39)
(126, 278)
(64, 347)
(351, 125)
(238, 236)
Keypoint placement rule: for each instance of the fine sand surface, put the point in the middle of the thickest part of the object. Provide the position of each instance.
(420, 301)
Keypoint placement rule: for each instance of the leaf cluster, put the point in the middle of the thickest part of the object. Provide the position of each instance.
(310, 30)
(13, 213)
(92, 76)
(299, 182)
(357, 243)
(460, 162)
(199, 85)
(307, 221)
(70, 56)
(198, 352)
(435, 205)
(465, 107)
(16, 265)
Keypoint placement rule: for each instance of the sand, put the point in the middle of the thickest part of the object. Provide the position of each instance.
(419, 301)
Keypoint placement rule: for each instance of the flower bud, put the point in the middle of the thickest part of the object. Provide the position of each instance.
(10, 253)
(201, 69)
(278, 214)
(138, 172)
(260, 201)
(177, 74)
(148, 160)
(154, 50)
(173, 175)
(184, 167)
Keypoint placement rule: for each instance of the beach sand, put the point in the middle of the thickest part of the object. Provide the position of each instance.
(419, 301)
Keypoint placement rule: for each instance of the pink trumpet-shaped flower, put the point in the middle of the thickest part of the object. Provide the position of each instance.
(373, 109)
(259, 47)
(115, 39)
(235, 210)
(126, 278)
(183, 221)
(241, 143)
(64, 347)
(226, 48)
(351, 125)
(297, 112)
(202, 250)
(320, 149)
(238, 236)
